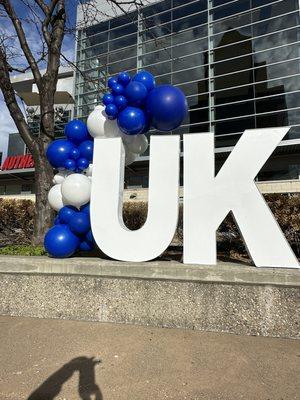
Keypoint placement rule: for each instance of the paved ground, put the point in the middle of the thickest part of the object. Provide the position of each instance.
(54, 359)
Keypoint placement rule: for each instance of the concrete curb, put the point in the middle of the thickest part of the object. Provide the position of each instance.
(223, 272)
(224, 298)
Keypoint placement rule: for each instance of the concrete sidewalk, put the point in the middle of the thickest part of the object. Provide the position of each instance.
(53, 359)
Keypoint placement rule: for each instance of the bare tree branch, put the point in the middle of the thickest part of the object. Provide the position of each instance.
(22, 39)
(12, 104)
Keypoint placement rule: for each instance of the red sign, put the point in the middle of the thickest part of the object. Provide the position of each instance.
(18, 162)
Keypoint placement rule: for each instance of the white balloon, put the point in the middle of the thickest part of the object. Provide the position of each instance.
(99, 126)
(89, 170)
(61, 176)
(76, 190)
(130, 158)
(55, 198)
(138, 144)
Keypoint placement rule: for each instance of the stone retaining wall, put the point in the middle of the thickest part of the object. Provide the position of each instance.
(224, 298)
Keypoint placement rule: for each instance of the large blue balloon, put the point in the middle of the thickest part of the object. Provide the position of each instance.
(86, 149)
(82, 163)
(57, 221)
(108, 99)
(86, 246)
(70, 164)
(121, 102)
(60, 241)
(76, 131)
(124, 78)
(89, 237)
(111, 82)
(74, 153)
(117, 89)
(58, 152)
(136, 93)
(146, 79)
(85, 208)
(66, 213)
(111, 111)
(132, 120)
(167, 107)
(80, 223)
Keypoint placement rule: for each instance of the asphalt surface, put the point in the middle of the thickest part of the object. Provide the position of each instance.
(55, 359)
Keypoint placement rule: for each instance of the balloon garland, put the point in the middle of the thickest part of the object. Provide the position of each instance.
(130, 109)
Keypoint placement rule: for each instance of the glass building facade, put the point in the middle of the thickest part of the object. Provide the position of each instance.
(236, 61)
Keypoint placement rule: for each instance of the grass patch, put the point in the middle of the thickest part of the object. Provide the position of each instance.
(23, 250)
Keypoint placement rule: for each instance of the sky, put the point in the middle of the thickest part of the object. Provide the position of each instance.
(6, 123)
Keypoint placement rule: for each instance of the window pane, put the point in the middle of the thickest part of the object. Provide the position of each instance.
(189, 75)
(187, 62)
(284, 118)
(235, 125)
(189, 48)
(189, 9)
(235, 110)
(228, 141)
(123, 19)
(191, 34)
(241, 78)
(238, 94)
(278, 86)
(231, 9)
(278, 102)
(276, 24)
(277, 70)
(156, 32)
(123, 42)
(276, 39)
(281, 7)
(189, 22)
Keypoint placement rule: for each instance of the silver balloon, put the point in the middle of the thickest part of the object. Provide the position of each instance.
(130, 158)
(136, 144)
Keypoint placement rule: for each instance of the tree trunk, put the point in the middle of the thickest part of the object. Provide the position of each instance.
(43, 182)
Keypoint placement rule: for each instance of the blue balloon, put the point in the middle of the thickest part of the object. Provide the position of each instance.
(124, 78)
(76, 131)
(85, 208)
(57, 221)
(117, 89)
(66, 213)
(111, 111)
(86, 246)
(132, 120)
(146, 79)
(167, 107)
(70, 164)
(58, 152)
(108, 99)
(60, 241)
(136, 93)
(74, 153)
(121, 102)
(111, 82)
(82, 163)
(89, 237)
(79, 223)
(86, 149)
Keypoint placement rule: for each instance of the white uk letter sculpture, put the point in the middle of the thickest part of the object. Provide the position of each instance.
(207, 199)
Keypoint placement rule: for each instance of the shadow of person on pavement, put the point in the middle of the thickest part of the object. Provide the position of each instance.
(87, 387)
